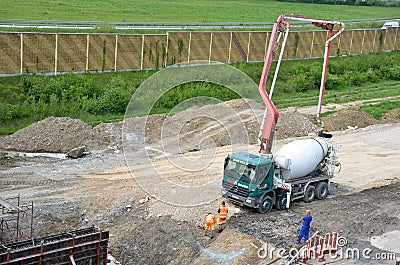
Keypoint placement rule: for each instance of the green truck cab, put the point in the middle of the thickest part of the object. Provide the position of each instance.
(248, 181)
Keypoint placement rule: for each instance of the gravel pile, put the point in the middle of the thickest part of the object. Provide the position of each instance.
(54, 135)
(292, 123)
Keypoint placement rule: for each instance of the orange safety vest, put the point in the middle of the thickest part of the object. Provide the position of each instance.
(210, 219)
(223, 212)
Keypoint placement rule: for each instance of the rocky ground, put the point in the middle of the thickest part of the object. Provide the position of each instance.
(113, 184)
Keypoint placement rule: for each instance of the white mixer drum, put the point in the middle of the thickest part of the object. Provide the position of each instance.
(300, 157)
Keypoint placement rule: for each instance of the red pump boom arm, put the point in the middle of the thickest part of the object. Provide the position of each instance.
(281, 27)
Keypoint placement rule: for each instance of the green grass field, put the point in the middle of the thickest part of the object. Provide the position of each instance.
(182, 11)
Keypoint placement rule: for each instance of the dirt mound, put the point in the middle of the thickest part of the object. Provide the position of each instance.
(225, 123)
(54, 135)
(235, 121)
(392, 116)
(349, 117)
(292, 123)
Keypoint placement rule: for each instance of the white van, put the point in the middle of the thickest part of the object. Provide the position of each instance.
(390, 24)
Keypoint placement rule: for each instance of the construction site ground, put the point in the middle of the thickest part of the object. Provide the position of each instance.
(113, 184)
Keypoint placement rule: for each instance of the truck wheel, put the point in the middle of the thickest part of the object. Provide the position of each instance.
(266, 205)
(281, 202)
(309, 194)
(321, 191)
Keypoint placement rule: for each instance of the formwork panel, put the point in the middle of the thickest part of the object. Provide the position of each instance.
(71, 52)
(10, 50)
(153, 51)
(220, 46)
(356, 46)
(257, 46)
(129, 52)
(178, 47)
(200, 46)
(38, 53)
(101, 52)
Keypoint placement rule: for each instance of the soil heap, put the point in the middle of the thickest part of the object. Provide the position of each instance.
(54, 135)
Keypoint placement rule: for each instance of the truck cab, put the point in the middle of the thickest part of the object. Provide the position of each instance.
(248, 180)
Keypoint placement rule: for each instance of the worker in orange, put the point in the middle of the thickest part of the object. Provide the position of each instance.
(210, 223)
(222, 215)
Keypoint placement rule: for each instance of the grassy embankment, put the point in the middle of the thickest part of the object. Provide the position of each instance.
(104, 97)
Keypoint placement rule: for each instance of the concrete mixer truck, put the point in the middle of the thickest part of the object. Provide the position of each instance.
(301, 169)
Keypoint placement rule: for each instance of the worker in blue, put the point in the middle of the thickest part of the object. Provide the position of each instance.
(305, 227)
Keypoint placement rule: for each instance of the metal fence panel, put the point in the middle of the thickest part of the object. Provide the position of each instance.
(10, 50)
(71, 52)
(129, 52)
(220, 47)
(62, 52)
(38, 53)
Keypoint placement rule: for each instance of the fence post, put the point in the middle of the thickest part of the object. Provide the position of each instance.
(265, 47)
(142, 54)
(230, 48)
(338, 48)
(373, 46)
(384, 41)
(209, 53)
(56, 55)
(87, 53)
(362, 43)
(116, 52)
(312, 43)
(190, 43)
(248, 48)
(22, 53)
(351, 41)
(166, 51)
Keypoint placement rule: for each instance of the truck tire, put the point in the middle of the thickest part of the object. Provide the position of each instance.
(321, 191)
(281, 202)
(309, 194)
(265, 205)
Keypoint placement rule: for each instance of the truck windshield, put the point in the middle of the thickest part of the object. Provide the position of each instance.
(247, 173)
(240, 171)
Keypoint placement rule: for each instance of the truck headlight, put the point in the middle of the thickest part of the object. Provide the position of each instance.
(248, 200)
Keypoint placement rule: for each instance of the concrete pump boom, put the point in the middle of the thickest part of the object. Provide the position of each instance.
(281, 27)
